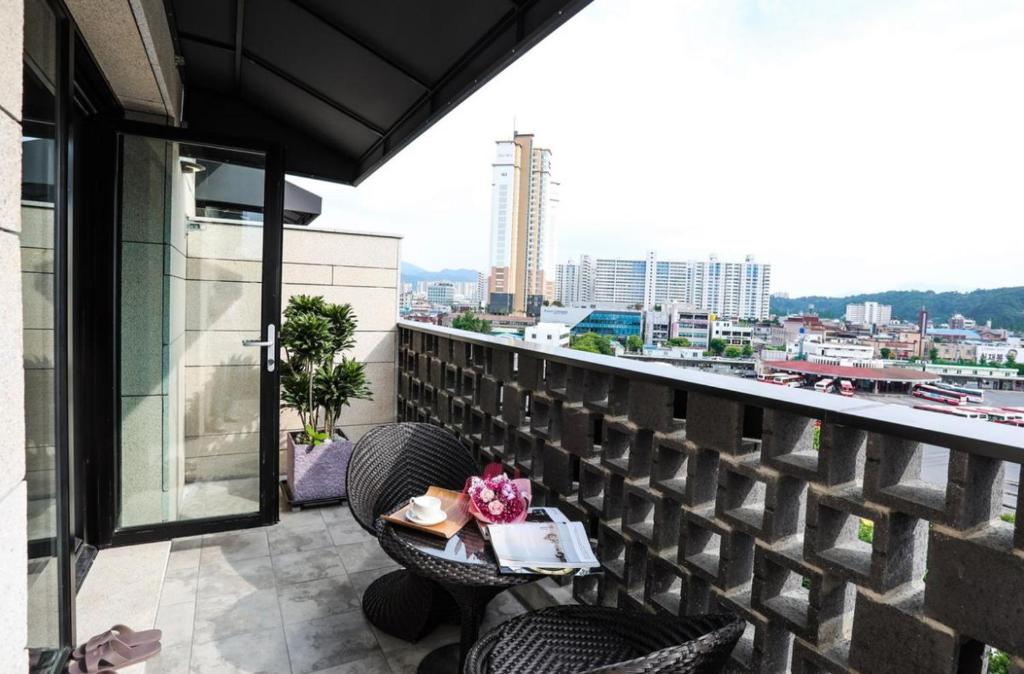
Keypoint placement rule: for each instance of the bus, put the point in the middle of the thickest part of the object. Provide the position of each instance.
(939, 395)
(790, 380)
(824, 386)
(845, 388)
(965, 413)
(974, 395)
(1000, 415)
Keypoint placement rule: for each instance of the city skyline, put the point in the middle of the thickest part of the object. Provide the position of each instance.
(778, 147)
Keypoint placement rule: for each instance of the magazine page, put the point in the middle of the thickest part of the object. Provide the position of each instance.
(561, 545)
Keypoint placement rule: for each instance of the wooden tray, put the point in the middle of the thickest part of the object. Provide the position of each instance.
(452, 502)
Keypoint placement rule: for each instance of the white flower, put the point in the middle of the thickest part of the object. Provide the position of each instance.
(486, 495)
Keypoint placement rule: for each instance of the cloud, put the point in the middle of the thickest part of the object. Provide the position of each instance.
(856, 146)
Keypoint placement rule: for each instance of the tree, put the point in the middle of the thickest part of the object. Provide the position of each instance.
(732, 351)
(593, 343)
(556, 303)
(1011, 359)
(748, 351)
(469, 321)
(933, 354)
(634, 343)
(717, 346)
(313, 381)
(678, 341)
(886, 352)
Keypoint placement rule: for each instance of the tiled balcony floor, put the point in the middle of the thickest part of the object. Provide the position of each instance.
(285, 599)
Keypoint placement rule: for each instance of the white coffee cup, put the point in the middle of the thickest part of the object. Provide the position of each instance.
(425, 507)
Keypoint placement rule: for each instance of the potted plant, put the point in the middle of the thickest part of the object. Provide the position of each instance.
(318, 381)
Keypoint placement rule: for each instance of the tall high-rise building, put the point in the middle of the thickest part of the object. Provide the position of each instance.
(733, 289)
(574, 282)
(441, 292)
(523, 203)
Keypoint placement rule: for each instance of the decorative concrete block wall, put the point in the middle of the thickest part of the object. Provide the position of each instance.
(710, 493)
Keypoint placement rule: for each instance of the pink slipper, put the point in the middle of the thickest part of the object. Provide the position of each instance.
(113, 655)
(122, 633)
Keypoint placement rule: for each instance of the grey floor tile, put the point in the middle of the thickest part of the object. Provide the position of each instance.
(176, 621)
(300, 518)
(375, 664)
(235, 577)
(338, 513)
(235, 545)
(364, 556)
(345, 530)
(263, 652)
(444, 634)
(179, 586)
(172, 659)
(183, 558)
(299, 567)
(222, 616)
(317, 599)
(362, 580)
(310, 536)
(328, 642)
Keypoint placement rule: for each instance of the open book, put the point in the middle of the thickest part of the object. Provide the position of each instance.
(551, 547)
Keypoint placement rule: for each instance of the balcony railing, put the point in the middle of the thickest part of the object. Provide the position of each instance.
(803, 512)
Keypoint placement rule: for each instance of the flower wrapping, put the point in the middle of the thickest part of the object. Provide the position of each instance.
(495, 498)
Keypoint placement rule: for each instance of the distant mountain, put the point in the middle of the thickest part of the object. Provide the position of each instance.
(1003, 306)
(414, 274)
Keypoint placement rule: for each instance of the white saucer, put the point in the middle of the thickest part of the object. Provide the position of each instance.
(441, 517)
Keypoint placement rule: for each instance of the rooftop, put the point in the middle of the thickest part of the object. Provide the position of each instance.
(893, 374)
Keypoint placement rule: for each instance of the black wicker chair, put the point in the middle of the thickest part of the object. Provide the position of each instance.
(389, 465)
(594, 639)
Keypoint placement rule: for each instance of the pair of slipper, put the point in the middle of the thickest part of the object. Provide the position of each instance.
(118, 647)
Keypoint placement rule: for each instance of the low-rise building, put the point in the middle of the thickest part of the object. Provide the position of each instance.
(553, 334)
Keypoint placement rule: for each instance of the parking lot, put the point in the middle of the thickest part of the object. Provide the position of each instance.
(936, 459)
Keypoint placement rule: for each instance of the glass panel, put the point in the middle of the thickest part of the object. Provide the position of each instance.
(38, 192)
(191, 291)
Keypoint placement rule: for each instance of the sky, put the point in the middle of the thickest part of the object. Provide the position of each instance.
(857, 146)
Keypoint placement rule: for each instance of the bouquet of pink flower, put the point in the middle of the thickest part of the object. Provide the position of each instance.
(497, 499)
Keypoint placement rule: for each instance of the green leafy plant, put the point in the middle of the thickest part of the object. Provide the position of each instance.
(717, 346)
(593, 343)
(678, 341)
(634, 343)
(732, 351)
(317, 381)
(469, 321)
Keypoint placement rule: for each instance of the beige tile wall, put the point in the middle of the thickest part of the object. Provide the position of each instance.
(363, 270)
(13, 532)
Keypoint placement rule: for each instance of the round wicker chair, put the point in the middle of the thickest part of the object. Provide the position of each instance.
(389, 465)
(594, 639)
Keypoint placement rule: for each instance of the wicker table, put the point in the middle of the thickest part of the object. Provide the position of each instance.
(465, 566)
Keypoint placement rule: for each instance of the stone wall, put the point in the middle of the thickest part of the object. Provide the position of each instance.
(13, 534)
(713, 493)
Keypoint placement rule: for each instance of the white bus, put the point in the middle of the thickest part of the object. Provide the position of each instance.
(974, 395)
(824, 386)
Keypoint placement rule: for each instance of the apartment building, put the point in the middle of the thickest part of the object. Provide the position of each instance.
(732, 289)
(574, 282)
(868, 313)
(522, 251)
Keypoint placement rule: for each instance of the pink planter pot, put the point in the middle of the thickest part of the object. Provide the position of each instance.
(317, 473)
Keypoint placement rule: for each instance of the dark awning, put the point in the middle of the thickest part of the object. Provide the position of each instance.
(345, 85)
(235, 186)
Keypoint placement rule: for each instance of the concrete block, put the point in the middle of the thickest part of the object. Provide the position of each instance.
(36, 219)
(841, 454)
(559, 469)
(220, 241)
(528, 376)
(143, 193)
(142, 495)
(975, 585)
(489, 395)
(787, 444)
(651, 405)
(578, 430)
(892, 637)
(222, 400)
(375, 308)
(204, 347)
(975, 491)
(223, 305)
(142, 319)
(373, 346)
(714, 423)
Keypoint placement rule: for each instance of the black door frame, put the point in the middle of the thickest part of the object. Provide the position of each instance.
(102, 456)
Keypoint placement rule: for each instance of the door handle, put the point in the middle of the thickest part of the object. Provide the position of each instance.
(270, 344)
